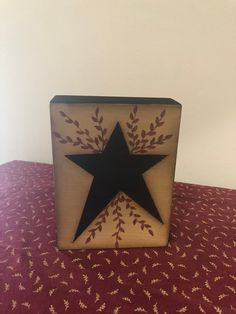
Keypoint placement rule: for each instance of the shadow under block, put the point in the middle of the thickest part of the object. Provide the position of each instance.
(114, 163)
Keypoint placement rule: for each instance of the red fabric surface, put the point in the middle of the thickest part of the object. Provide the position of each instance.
(195, 273)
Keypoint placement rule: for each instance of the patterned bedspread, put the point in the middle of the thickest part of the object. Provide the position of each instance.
(195, 273)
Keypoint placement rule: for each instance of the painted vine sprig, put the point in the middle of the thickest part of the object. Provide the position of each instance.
(101, 220)
(135, 216)
(147, 139)
(83, 137)
(118, 219)
(133, 127)
(103, 131)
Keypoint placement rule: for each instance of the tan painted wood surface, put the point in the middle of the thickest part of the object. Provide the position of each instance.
(72, 183)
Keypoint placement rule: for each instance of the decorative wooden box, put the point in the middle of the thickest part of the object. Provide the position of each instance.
(114, 163)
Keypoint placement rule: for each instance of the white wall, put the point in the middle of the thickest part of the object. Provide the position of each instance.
(183, 49)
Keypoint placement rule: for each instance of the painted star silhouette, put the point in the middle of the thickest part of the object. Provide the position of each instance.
(115, 170)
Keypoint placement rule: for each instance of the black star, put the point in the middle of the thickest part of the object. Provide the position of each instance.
(115, 170)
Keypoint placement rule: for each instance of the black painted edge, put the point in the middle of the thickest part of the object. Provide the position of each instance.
(67, 99)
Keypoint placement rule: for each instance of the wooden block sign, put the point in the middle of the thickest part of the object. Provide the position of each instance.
(114, 163)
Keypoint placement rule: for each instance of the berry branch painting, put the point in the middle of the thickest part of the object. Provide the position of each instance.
(83, 137)
(118, 219)
(141, 141)
(147, 139)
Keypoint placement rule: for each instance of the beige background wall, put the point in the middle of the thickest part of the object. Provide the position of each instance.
(180, 49)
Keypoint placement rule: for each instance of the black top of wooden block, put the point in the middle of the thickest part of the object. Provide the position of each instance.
(67, 99)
